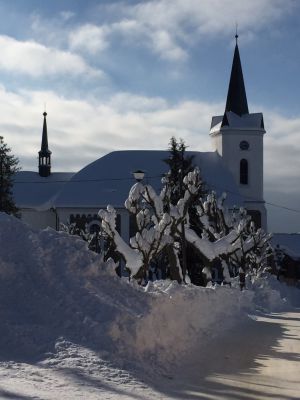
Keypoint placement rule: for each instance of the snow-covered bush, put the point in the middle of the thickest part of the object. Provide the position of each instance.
(97, 241)
(208, 227)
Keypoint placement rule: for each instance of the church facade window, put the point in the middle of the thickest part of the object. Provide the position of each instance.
(244, 172)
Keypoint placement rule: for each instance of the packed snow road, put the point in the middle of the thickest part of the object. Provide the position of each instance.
(258, 359)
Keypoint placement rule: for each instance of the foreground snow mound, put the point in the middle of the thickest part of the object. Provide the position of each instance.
(55, 294)
(52, 286)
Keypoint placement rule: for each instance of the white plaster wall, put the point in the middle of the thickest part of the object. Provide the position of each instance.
(64, 213)
(227, 143)
(217, 143)
(64, 217)
(39, 219)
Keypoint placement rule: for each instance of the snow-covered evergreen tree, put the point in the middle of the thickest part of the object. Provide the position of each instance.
(8, 167)
(179, 165)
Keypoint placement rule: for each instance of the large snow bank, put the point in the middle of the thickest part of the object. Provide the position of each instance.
(179, 319)
(51, 285)
(54, 290)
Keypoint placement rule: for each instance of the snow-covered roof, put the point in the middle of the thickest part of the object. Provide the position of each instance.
(246, 121)
(30, 190)
(290, 242)
(109, 179)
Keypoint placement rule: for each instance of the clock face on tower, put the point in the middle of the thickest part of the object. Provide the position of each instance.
(244, 145)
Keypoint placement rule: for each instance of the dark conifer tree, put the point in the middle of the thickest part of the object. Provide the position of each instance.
(179, 165)
(8, 167)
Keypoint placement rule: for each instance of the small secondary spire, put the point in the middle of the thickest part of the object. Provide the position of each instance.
(44, 153)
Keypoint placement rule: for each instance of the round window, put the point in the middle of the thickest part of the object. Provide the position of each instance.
(244, 145)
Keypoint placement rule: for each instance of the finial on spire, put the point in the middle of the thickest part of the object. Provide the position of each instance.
(236, 32)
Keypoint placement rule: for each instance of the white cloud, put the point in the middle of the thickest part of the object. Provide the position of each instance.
(209, 16)
(66, 15)
(90, 38)
(91, 128)
(126, 102)
(166, 47)
(36, 60)
(169, 26)
(282, 149)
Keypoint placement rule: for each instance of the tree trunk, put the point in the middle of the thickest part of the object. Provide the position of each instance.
(174, 271)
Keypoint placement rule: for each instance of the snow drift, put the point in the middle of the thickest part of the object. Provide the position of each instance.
(52, 288)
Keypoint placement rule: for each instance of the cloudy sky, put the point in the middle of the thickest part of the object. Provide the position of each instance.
(127, 74)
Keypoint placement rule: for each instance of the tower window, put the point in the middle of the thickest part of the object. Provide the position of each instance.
(244, 145)
(244, 172)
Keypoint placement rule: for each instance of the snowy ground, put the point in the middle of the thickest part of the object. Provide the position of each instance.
(258, 360)
(70, 329)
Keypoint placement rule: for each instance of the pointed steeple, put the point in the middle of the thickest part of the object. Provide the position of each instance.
(44, 146)
(236, 97)
(44, 153)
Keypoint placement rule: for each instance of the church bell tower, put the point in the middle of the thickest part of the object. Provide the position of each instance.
(237, 136)
(44, 153)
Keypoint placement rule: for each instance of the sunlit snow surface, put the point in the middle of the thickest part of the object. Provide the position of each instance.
(109, 179)
(71, 329)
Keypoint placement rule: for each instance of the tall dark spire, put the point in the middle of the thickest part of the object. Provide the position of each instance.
(236, 97)
(44, 146)
(44, 153)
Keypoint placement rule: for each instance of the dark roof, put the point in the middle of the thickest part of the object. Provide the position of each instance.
(44, 146)
(236, 96)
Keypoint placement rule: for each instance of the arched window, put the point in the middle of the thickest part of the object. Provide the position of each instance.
(94, 227)
(244, 172)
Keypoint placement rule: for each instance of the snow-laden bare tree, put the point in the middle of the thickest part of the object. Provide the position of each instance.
(213, 231)
(249, 249)
(154, 228)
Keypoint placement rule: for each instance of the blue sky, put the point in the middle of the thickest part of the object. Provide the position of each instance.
(130, 74)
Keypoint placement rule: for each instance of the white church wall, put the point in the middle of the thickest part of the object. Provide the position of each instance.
(228, 146)
(217, 143)
(39, 219)
(232, 155)
(65, 213)
(227, 143)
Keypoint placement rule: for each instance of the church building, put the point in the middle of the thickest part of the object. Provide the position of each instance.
(234, 166)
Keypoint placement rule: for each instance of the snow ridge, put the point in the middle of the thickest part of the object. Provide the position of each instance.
(55, 294)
